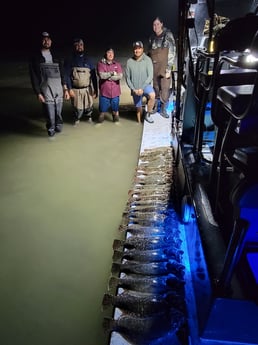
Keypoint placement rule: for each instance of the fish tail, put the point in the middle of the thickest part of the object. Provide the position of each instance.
(115, 268)
(117, 244)
(113, 281)
(117, 255)
(122, 228)
(108, 324)
(107, 300)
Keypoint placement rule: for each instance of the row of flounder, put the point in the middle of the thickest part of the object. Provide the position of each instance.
(147, 281)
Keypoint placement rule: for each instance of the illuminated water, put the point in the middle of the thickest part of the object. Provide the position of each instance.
(61, 202)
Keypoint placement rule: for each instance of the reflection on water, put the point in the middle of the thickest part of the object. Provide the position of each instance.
(61, 203)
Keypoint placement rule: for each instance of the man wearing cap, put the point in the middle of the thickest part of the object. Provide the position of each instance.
(48, 83)
(81, 80)
(139, 75)
(110, 73)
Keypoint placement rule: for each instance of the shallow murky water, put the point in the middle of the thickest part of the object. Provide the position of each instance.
(61, 203)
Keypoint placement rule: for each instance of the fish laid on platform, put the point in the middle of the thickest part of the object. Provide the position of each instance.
(165, 156)
(157, 164)
(168, 220)
(147, 203)
(144, 304)
(149, 242)
(160, 188)
(144, 231)
(149, 194)
(160, 284)
(153, 255)
(154, 221)
(153, 174)
(145, 208)
(154, 157)
(153, 180)
(153, 232)
(162, 150)
(150, 268)
(152, 196)
(139, 215)
(145, 172)
(152, 186)
(143, 330)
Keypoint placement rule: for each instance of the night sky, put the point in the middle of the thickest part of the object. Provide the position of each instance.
(98, 23)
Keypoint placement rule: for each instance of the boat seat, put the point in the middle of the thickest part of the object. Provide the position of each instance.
(235, 98)
(212, 72)
(232, 76)
(239, 141)
(235, 113)
(244, 124)
(229, 105)
(207, 87)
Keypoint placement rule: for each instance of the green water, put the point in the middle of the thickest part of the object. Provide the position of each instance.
(61, 203)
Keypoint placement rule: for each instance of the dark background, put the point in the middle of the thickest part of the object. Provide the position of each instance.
(115, 23)
(99, 23)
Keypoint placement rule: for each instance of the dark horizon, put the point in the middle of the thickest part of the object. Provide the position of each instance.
(113, 25)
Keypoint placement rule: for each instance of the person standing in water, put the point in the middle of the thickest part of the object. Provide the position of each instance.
(81, 80)
(110, 73)
(47, 79)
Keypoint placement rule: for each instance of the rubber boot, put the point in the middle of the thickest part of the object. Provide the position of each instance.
(163, 110)
(148, 118)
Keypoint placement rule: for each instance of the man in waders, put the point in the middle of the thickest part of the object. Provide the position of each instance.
(162, 52)
(81, 80)
(48, 84)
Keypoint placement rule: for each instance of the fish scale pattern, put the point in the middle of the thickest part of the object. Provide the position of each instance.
(147, 288)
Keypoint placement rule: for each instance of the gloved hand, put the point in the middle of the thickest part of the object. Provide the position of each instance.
(168, 73)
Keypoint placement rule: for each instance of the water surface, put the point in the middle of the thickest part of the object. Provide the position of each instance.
(61, 203)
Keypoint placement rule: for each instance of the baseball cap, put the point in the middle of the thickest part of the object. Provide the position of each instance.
(45, 34)
(78, 40)
(138, 44)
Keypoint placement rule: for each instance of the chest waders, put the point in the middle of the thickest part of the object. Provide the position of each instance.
(52, 90)
(82, 88)
(161, 84)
